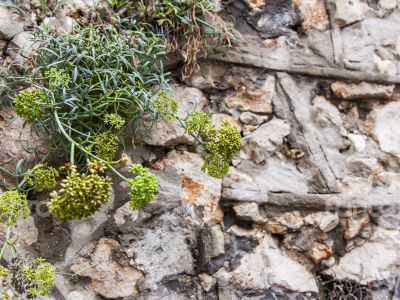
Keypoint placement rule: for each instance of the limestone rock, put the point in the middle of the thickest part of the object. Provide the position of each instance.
(199, 189)
(167, 134)
(363, 90)
(354, 185)
(263, 269)
(385, 66)
(109, 278)
(252, 119)
(387, 126)
(358, 141)
(123, 213)
(324, 220)
(377, 259)
(353, 226)
(162, 248)
(314, 14)
(207, 282)
(319, 252)
(249, 211)
(218, 118)
(250, 182)
(265, 140)
(218, 241)
(60, 23)
(350, 11)
(14, 134)
(253, 98)
(21, 46)
(9, 24)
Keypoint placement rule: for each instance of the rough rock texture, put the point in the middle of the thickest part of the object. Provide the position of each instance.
(165, 133)
(109, 278)
(312, 196)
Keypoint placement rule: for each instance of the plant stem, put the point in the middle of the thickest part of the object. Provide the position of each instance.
(72, 154)
(6, 242)
(83, 149)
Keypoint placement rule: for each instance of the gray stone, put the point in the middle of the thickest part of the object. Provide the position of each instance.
(263, 269)
(377, 259)
(387, 126)
(249, 211)
(254, 97)
(252, 119)
(15, 134)
(9, 24)
(265, 140)
(218, 241)
(348, 12)
(207, 282)
(326, 221)
(250, 182)
(161, 250)
(386, 67)
(165, 133)
(109, 278)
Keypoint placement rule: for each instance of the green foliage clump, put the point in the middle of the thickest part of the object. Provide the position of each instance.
(105, 146)
(13, 205)
(223, 144)
(143, 186)
(38, 276)
(42, 178)
(199, 124)
(114, 121)
(81, 195)
(188, 27)
(29, 104)
(218, 145)
(57, 78)
(165, 105)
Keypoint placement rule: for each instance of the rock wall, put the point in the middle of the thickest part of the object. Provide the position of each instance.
(311, 204)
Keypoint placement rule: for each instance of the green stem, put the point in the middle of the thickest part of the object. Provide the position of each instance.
(72, 154)
(6, 242)
(83, 149)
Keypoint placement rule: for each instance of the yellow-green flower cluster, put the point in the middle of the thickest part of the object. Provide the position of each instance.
(42, 178)
(39, 278)
(219, 145)
(81, 195)
(114, 120)
(198, 124)
(220, 149)
(106, 145)
(57, 77)
(13, 205)
(165, 105)
(143, 186)
(29, 104)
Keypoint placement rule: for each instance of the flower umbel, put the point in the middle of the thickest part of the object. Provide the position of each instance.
(143, 186)
(57, 77)
(114, 120)
(29, 104)
(106, 145)
(165, 105)
(81, 195)
(13, 205)
(43, 178)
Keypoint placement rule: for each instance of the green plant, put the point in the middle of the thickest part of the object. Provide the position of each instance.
(35, 278)
(13, 205)
(143, 186)
(188, 26)
(42, 178)
(81, 195)
(30, 104)
(218, 146)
